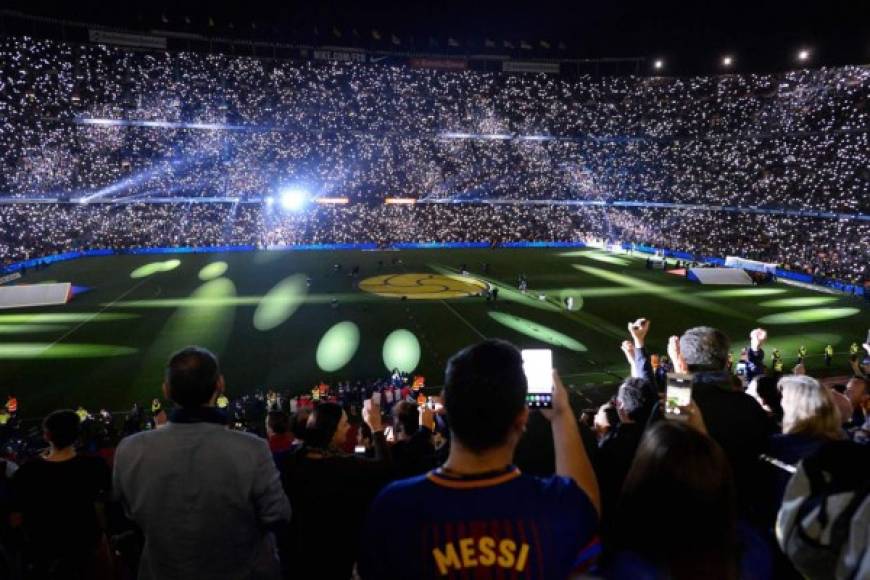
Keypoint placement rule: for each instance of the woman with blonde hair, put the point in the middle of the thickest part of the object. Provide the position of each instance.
(809, 409)
(810, 417)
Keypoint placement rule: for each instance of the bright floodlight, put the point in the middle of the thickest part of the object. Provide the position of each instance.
(658, 64)
(803, 54)
(293, 199)
(727, 61)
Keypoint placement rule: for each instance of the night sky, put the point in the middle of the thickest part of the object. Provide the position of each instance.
(690, 36)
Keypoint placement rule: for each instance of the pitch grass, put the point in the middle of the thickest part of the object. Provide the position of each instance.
(107, 347)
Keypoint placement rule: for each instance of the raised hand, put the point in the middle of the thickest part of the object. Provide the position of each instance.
(371, 414)
(676, 355)
(638, 330)
(628, 349)
(561, 406)
(694, 416)
(427, 417)
(757, 338)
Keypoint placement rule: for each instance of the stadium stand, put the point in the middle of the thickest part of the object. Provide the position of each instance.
(110, 148)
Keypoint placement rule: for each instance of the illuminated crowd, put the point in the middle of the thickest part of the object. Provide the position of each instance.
(824, 247)
(796, 140)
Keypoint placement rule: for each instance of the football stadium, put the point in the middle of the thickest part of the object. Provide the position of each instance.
(304, 316)
(434, 289)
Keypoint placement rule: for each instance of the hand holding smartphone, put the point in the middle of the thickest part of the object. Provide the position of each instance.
(538, 367)
(678, 396)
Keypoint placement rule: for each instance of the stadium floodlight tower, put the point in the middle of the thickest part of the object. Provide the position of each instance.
(293, 198)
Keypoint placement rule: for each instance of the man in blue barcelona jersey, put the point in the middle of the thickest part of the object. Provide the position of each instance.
(477, 516)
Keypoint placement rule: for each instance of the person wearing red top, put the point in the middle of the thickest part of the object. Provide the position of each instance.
(278, 431)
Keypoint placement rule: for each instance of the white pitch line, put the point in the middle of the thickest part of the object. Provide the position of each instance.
(92, 316)
(463, 319)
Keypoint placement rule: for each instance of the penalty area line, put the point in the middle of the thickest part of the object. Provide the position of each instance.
(94, 315)
(464, 320)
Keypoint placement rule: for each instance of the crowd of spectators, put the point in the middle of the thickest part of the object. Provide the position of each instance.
(827, 248)
(240, 127)
(206, 484)
(375, 478)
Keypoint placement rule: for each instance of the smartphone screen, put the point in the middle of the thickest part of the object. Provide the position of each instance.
(360, 449)
(538, 366)
(678, 394)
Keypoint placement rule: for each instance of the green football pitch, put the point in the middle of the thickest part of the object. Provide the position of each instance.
(287, 319)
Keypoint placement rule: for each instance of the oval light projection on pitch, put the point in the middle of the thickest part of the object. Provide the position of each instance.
(337, 346)
(538, 331)
(801, 302)
(280, 302)
(154, 268)
(49, 350)
(809, 315)
(213, 270)
(401, 351)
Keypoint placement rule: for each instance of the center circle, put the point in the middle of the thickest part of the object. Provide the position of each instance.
(423, 286)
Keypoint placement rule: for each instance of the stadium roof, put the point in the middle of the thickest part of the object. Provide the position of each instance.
(687, 37)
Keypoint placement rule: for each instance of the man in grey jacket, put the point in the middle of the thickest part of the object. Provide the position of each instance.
(205, 497)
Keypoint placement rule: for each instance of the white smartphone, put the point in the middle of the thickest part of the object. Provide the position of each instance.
(538, 366)
(376, 398)
(678, 394)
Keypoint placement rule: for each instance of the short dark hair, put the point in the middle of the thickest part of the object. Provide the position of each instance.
(192, 375)
(484, 391)
(406, 416)
(322, 425)
(633, 398)
(278, 422)
(62, 428)
(299, 421)
(705, 349)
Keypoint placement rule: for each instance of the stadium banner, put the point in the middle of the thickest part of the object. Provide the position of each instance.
(542, 245)
(124, 39)
(437, 245)
(664, 252)
(187, 250)
(519, 66)
(9, 278)
(438, 63)
(27, 295)
(751, 265)
(316, 247)
(34, 262)
(796, 276)
(338, 54)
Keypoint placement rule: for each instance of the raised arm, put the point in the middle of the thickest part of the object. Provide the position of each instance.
(755, 356)
(642, 367)
(571, 458)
